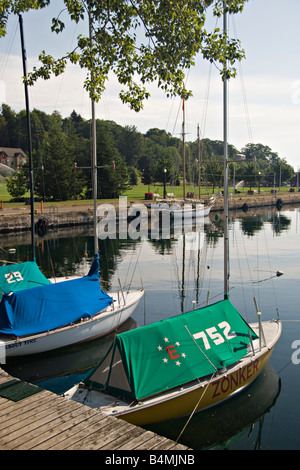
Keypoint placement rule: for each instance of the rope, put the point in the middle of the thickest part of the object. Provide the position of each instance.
(194, 410)
(200, 348)
(9, 47)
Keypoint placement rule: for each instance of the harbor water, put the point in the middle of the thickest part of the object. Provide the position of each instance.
(179, 272)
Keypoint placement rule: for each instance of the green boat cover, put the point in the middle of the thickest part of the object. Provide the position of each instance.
(20, 276)
(166, 354)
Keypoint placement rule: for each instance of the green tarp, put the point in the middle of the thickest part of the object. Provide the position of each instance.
(20, 276)
(174, 351)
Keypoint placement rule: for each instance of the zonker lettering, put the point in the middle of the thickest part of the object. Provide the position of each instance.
(235, 380)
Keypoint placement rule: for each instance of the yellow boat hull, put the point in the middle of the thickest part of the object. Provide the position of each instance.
(203, 395)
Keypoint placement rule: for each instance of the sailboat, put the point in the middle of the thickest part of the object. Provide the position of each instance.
(183, 364)
(19, 276)
(51, 316)
(186, 208)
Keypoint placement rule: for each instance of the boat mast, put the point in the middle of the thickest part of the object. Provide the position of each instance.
(183, 148)
(94, 154)
(199, 162)
(226, 211)
(29, 137)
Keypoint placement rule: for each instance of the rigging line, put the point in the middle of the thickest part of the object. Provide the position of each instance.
(220, 294)
(243, 90)
(284, 367)
(206, 100)
(206, 357)
(241, 274)
(247, 262)
(63, 75)
(268, 256)
(211, 263)
(136, 263)
(170, 114)
(206, 95)
(194, 410)
(257, 262)
(179, 107)
(9, 47)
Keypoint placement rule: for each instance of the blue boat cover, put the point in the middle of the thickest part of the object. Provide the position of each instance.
(47, 307)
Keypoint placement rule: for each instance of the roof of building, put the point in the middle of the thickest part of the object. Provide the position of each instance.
(12, 152)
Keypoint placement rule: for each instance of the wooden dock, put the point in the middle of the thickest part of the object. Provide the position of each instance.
(36, 419)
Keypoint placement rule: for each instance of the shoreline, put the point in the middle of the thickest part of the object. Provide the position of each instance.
(17, 219)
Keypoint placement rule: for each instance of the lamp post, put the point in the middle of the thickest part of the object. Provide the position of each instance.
(165, 175)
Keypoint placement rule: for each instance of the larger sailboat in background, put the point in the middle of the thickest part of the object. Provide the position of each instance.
(182, 364)
(186, 208)
(46, 317)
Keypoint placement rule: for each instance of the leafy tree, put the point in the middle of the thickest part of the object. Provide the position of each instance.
(8, 126)
(214, 172)
(250, 174)
(113, 173)
(17, 185)
(140, 41)
(57, 180)
(268, 162)
(282, 171)
(166, 160)
(129, 142)
(259, 153)
(5, 137)
(133, 176)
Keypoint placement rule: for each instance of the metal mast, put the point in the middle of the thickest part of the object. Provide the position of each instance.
(29, 138)
(94, 154)
(226, 211)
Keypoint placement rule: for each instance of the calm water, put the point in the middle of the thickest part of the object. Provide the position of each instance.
(175, 273)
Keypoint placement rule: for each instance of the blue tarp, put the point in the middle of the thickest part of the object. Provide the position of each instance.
(46, 307)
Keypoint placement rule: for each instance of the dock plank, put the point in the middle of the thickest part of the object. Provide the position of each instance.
(15, 416)
(76, 430)
(51, 428)
(31, 427)
(46, 421)
(139, 439)
(104, 435)
(121, 442)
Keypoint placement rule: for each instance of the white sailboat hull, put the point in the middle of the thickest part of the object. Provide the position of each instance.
(96, 326)
(182, 211)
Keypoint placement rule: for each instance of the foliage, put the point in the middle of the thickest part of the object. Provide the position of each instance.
(55, 178)
(113, 172)
(140, 41)
(17, 185)
(124, 154)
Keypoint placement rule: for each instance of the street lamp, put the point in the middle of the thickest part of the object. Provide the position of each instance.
(165, 175)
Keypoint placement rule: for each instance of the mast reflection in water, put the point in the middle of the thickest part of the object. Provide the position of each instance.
(178, 273)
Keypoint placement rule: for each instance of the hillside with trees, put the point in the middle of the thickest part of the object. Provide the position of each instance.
(62, 157)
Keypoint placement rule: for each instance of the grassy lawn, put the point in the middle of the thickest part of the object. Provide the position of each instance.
(137, 193)
(4, 195)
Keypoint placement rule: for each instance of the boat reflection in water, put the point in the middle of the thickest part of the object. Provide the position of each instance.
(215, 428)
(59, 369)
(219, 427)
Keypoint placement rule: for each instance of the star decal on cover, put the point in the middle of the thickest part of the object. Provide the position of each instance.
(172, 352)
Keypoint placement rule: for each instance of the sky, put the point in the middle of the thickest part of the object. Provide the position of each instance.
(264, 98)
